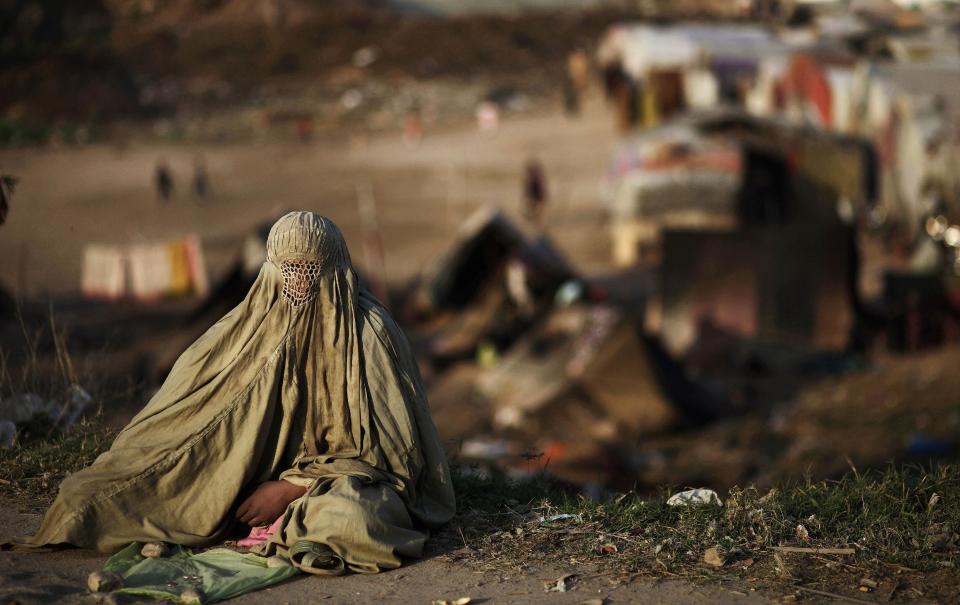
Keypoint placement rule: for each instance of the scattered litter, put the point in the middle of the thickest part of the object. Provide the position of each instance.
(934, 499)
(460, 601)
(154, 550)
(351, 99)
(561, 517)
(568, 293)
(8, 434)
(191, 596)
(21, 409)
(695, 497)
(802, 534)
(608, 549)
(561, 584)
(812, 550)
(782, 568)
(488, 117)
(926, 445)
(713, 557)
(366, 56)
(486, 449)
(104, 581)
(867, 584)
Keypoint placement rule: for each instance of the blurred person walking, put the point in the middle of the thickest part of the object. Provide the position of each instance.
(163, 180)
(577, 81)
(534, 191)
(7, 183)
(305, 129)
(201, 179)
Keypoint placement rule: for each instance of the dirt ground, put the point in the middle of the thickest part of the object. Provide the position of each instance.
(71, 197)
(60, 577)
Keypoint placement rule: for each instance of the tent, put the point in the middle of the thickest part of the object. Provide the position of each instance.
(494, 282)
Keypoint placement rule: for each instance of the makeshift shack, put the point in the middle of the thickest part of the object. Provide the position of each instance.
(493, 283)
(717, 171)
(724, 202)
(670, 177)
(654, 72)
(785, 284)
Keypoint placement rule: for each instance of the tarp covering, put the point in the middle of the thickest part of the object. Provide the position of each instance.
(213, 575)
(493, 283)
(588, 351)
(484, 243)
(639, 48)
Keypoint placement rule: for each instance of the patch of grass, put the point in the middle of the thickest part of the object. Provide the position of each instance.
(32, 471)
(897, 518)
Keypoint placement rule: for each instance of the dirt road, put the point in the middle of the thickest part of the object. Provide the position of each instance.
(70, 197)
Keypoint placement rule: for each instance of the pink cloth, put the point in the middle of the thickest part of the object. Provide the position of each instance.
(259, 535)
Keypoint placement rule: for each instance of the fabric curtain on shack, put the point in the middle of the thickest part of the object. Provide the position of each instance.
(308, 379)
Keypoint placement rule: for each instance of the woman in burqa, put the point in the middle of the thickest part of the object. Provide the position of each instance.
(302, 402)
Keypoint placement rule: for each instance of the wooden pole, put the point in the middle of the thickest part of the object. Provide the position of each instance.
(373, 251)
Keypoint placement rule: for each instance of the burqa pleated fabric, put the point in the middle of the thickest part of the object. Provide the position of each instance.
(308, 380)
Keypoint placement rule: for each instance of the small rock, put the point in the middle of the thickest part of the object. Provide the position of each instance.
(712, 556)
(154, 550)
(608, 549)
(561, 584)
(104, 581)
(693, 497)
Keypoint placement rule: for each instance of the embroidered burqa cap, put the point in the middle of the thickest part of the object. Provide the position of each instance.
(308, 379)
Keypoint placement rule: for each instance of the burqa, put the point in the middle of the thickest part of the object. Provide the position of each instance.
(309, 380)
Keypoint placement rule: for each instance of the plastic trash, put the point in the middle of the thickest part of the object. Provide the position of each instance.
(561, 517)
(695, 497)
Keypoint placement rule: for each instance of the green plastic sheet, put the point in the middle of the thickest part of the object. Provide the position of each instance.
(216, 574)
